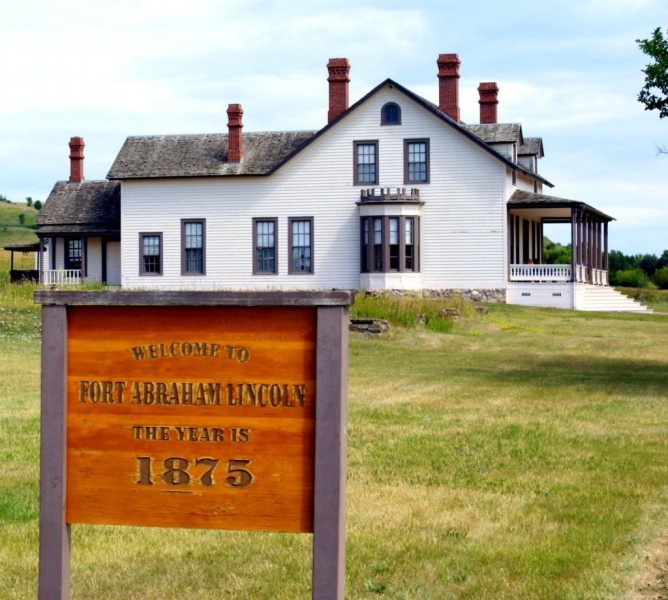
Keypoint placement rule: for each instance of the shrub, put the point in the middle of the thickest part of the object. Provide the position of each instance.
(661, 278)
(635, 278)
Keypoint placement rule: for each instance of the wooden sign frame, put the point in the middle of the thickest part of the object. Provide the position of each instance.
(329, 314)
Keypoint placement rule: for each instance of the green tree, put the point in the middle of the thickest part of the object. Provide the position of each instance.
(29, 201)
(654, 94)
(37, 204)
(618, 261)
(22, 219)
(663, 260)
(556, 254)
(661, 278)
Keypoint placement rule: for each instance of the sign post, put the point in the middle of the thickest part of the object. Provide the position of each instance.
(194, 409)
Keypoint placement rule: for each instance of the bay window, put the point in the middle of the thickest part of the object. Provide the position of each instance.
(389, 244)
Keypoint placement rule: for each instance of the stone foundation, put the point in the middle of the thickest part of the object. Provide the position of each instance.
(493, 296)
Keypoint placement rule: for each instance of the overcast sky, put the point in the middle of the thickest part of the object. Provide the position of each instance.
(568, 71)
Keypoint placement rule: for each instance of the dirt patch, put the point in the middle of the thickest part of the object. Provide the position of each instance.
(652, 583)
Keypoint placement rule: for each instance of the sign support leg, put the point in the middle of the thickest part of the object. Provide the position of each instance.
(54, 532)
(329, 536)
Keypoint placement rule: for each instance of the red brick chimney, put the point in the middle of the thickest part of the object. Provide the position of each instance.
(76, 159)
(338, 68)
(235, 148)
(489, 99)
(448, 85)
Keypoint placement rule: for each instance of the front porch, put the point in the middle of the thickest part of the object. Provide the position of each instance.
(528, 213)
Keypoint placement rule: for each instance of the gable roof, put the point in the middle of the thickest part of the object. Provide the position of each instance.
(436, 111)
(531, 146)
(203, 155)
(87, 207)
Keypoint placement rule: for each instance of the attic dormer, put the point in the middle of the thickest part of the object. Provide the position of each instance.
(529, 153)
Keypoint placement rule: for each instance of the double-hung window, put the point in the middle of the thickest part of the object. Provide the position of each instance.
(265, 259)
(416, 161)
(193, 247)
(150, 253)
(301, 245)
(74, 253)
(366, 162)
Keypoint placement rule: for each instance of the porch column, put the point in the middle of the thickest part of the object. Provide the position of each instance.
(40, 259)
(597, 244)
(541, 233)
(605, 247)
(574, 244)
(589, 248)
(510, 229)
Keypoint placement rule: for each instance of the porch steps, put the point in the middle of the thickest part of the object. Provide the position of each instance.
(606, 299)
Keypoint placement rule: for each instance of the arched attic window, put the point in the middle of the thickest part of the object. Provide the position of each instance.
(390, 114)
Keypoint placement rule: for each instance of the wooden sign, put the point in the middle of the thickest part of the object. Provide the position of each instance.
(194, 409)
(182, 417)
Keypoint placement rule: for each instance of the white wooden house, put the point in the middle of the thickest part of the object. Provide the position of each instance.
(393, 193)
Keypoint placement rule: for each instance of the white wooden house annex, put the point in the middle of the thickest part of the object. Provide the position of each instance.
(393, 193)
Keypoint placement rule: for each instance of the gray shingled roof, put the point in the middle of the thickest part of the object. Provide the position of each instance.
(533, 200)
(496, 133)
(86, 207)
(531, 146)
(204, 155)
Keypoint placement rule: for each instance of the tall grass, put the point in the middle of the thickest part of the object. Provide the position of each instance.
(409, 311)
(522, 455)
(654, 299)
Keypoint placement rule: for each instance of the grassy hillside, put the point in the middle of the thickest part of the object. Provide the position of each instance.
(520, 455)
(10, 214)
(12, 231)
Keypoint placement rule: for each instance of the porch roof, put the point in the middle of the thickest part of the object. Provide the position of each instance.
(87, 207)
(522, 199)
(32, 247)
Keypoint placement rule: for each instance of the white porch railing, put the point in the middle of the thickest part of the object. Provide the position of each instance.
(598, 276)
(61, 277)
(541, 273)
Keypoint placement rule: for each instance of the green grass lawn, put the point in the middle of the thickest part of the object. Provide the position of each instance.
(522, 454)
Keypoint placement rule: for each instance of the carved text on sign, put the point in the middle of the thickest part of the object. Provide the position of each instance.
(194, 393)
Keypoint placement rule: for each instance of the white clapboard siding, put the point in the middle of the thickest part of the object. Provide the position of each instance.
(94, 258)
(462, 219)
(524, 183)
